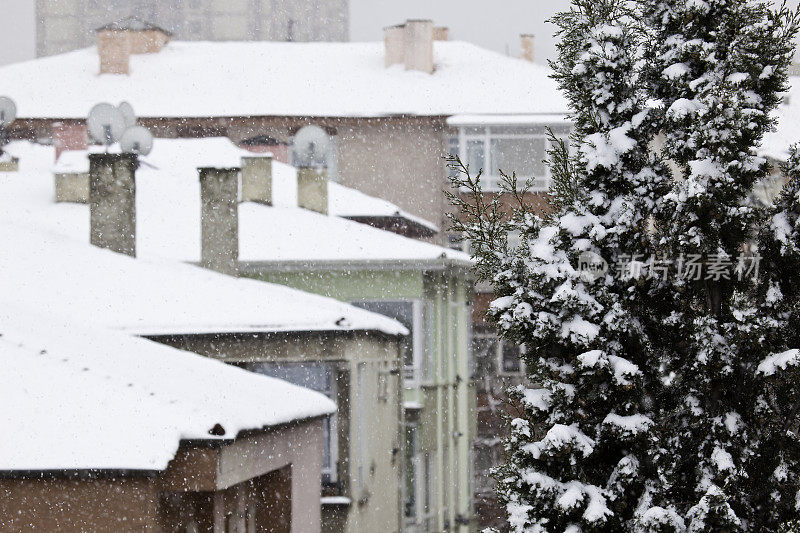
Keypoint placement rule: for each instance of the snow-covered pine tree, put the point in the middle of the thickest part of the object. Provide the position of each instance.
(579, 455)
(716, 68)
(664, 404)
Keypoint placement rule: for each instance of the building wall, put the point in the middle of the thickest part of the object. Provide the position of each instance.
(63, 25)
(399, 159)
(369, 416)
(58, 504)
(446, 420)
(268, 479)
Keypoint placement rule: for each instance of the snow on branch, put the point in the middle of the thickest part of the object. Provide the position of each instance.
(779, 361)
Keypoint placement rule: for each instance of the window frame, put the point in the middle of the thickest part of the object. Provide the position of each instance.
(501, 356)
(486, 133)
(497, 356)
(422, 355)
(332, 420)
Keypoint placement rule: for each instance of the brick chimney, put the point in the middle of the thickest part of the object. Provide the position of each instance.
(219, 219)
(257, 179)
(118, 40)
(312, 189)
(419, 45)
(112, 202)
(441, 33)
(526, 47)
(114, 49)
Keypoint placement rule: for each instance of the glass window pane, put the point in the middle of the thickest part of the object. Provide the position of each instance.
(475, 156)
(410, 474)
(318, 377)
(452, 146)
(524, 156)
(511, 358)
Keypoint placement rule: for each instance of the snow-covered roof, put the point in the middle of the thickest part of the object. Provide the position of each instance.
(188, 154)
(48, 254)
(168, 212)
(153, 296)
(350, 203)
(776, 144)
(76, 398)
(207, 79)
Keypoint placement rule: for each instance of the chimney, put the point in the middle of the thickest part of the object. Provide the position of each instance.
(312, 189)
(441, 33)
(393, 41)
(148, 41)
(118, 40)
(72, 187)
(418, 45)
(257, 179)
(526, 47)
(219, 219)
(114, 49)
(112, 201)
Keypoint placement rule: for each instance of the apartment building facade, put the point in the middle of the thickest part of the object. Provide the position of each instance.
(65, 25)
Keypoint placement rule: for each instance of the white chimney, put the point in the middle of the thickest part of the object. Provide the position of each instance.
(394, 44)
(526, 47)
(419, 45)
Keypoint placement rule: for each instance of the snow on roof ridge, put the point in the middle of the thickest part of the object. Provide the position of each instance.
(112, 401)
(293, 79)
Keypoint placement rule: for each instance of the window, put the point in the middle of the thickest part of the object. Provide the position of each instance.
(493, 355)
(427, 491)
(510, 361)
(321, 378)
(411, 473)
(520, 149)
(419, 481)
(415, 346)
(360, 414)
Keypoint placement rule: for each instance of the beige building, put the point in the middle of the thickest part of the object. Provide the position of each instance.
(105, 431)
(64, 25)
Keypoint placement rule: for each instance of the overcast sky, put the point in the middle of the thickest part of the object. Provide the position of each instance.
(494, 24)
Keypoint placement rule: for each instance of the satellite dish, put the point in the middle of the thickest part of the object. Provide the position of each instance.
(127, 113)
(137, 140)
(8, 111)
(106, 123)
(311, 147)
